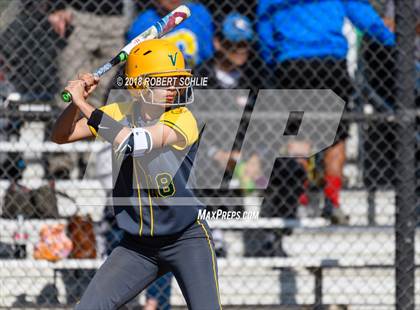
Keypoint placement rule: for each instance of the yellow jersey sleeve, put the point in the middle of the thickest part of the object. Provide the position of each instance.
(182, 121)
(117, 111)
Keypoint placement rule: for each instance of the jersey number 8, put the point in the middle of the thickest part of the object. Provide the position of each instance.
(165, 185)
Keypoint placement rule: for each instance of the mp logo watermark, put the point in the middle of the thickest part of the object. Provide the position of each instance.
(283, 123)
(219, 214)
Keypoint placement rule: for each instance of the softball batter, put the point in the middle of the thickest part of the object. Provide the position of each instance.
(155, 138)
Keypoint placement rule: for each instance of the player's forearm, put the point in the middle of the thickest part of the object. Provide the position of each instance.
(85, 107)
(65, 124)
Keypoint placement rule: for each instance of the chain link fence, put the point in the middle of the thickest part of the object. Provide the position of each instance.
(332, 176)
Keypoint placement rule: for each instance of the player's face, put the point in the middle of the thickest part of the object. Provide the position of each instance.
(164, 95)
(237, 53)
(170, 91)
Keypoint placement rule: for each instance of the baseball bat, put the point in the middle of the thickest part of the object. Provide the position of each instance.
(159, 29)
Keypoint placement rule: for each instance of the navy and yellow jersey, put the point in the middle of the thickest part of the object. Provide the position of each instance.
(147, 184)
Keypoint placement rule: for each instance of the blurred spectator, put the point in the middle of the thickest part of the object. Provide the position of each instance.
(306, 44)
(232, 68)
(94, 32)
(28, 50)
(280, 200)
(228, 69)
(193, 37)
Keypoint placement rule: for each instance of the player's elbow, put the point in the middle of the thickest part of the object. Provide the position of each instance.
(57, 139)
(55, 135)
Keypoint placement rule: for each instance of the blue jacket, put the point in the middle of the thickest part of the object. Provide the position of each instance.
(291, 29)
(194, 37)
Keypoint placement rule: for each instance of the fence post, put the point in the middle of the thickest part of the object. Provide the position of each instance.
(406, 181)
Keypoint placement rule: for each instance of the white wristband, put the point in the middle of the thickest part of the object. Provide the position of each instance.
(138, 142)
(142, 141)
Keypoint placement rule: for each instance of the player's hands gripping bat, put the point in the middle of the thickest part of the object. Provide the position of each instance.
(158, 30)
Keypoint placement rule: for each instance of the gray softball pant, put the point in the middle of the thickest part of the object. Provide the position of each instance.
(138, 261)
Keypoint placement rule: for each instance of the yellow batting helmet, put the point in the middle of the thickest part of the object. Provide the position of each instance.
(155, 57)
(153, 62)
